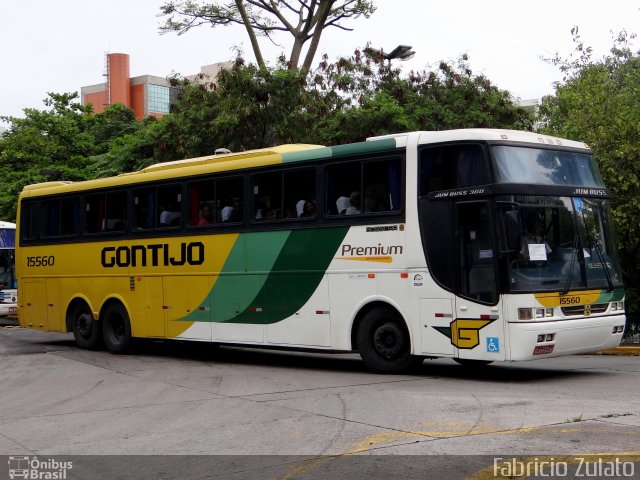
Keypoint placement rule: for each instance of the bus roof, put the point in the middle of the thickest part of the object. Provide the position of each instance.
(291, 153)
(485, 134)
(213, 163)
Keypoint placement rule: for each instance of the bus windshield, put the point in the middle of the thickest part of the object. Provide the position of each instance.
(545, 167)
(565, 245)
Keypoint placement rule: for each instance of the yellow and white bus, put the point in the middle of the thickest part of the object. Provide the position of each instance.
(478, 245)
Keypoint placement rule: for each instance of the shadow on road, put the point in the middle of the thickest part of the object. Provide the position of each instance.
(20, 341)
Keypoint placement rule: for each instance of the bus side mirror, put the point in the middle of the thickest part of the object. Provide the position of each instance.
(513, 236)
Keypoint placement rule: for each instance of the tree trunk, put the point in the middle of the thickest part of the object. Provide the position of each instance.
(252, 34)
(296, 50)
(322, 14)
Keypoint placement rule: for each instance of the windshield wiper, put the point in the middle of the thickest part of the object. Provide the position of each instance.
(596, 244)
(574, 254)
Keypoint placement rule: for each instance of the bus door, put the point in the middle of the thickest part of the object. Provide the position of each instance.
(476, 329)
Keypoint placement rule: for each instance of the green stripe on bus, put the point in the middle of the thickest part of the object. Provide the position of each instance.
(235, 289)
(614, 296)
(295, 275)
(324, 152)
(340, 150)
(364, 147)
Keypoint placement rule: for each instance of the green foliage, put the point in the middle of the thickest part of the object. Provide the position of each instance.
(346, 101)
(55, 144)
(363, 96)
(598, 102)
(248, 107)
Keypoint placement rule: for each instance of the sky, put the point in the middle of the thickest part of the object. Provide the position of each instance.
(60, 46)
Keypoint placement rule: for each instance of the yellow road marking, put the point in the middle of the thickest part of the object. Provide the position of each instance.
(461, 430)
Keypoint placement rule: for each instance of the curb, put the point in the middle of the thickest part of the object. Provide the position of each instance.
(624, 350)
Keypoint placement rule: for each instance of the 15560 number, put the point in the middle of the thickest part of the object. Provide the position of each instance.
(569, 300)
(41, 261)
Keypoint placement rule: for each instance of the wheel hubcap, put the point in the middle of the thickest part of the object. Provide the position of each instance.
(84, 325)
(388, 341)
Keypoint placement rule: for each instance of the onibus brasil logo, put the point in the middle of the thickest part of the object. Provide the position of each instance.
(36, 469)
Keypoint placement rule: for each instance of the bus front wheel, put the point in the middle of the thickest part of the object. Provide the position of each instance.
(87, 332)
(116, 329)
(384, 343)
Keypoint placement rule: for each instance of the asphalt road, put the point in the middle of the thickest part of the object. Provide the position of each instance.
(266, 414)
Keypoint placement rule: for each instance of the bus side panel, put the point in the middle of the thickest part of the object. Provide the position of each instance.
(54, 306)
(145, 303)
(231, 302)
(311, 325)
(436, 315)
(186, 306)
(33, 310)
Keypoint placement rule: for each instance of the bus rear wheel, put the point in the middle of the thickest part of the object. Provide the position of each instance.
(384, 343)
(87, 332)
(116, 329)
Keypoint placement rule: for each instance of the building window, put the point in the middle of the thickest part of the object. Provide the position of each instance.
(159, 98)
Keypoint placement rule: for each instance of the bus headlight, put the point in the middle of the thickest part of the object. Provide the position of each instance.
(525, 314)
(617, 306)
(531, 313)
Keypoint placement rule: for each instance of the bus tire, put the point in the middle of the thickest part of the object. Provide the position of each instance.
(116, 329)
(87, 332)
(384, 343)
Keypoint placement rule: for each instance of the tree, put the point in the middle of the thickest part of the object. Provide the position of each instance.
(366, 97)
(346, 101)
(598, 102)
(304, 20)
(55, 144)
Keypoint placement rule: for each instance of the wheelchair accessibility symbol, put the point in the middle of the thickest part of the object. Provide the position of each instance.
(493, 344)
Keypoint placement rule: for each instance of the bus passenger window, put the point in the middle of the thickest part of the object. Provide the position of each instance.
(106, 212)
(371, 186)
(144, 201)
(29, 221)
(169, 206)
(228, 199)
(452, 166)
(284, 195)
(202, 203)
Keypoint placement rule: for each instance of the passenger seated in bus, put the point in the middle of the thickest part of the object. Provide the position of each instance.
(206, 216)
(235, 213)
(309, 209)
(354, 200)
(170, 217)
(119, 226)
(113, 224)
(268, 214)
(533, 234)
(342, 203)
(300, 206)
(225, 212)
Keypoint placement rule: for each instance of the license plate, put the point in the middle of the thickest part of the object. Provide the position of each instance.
(542, 349)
